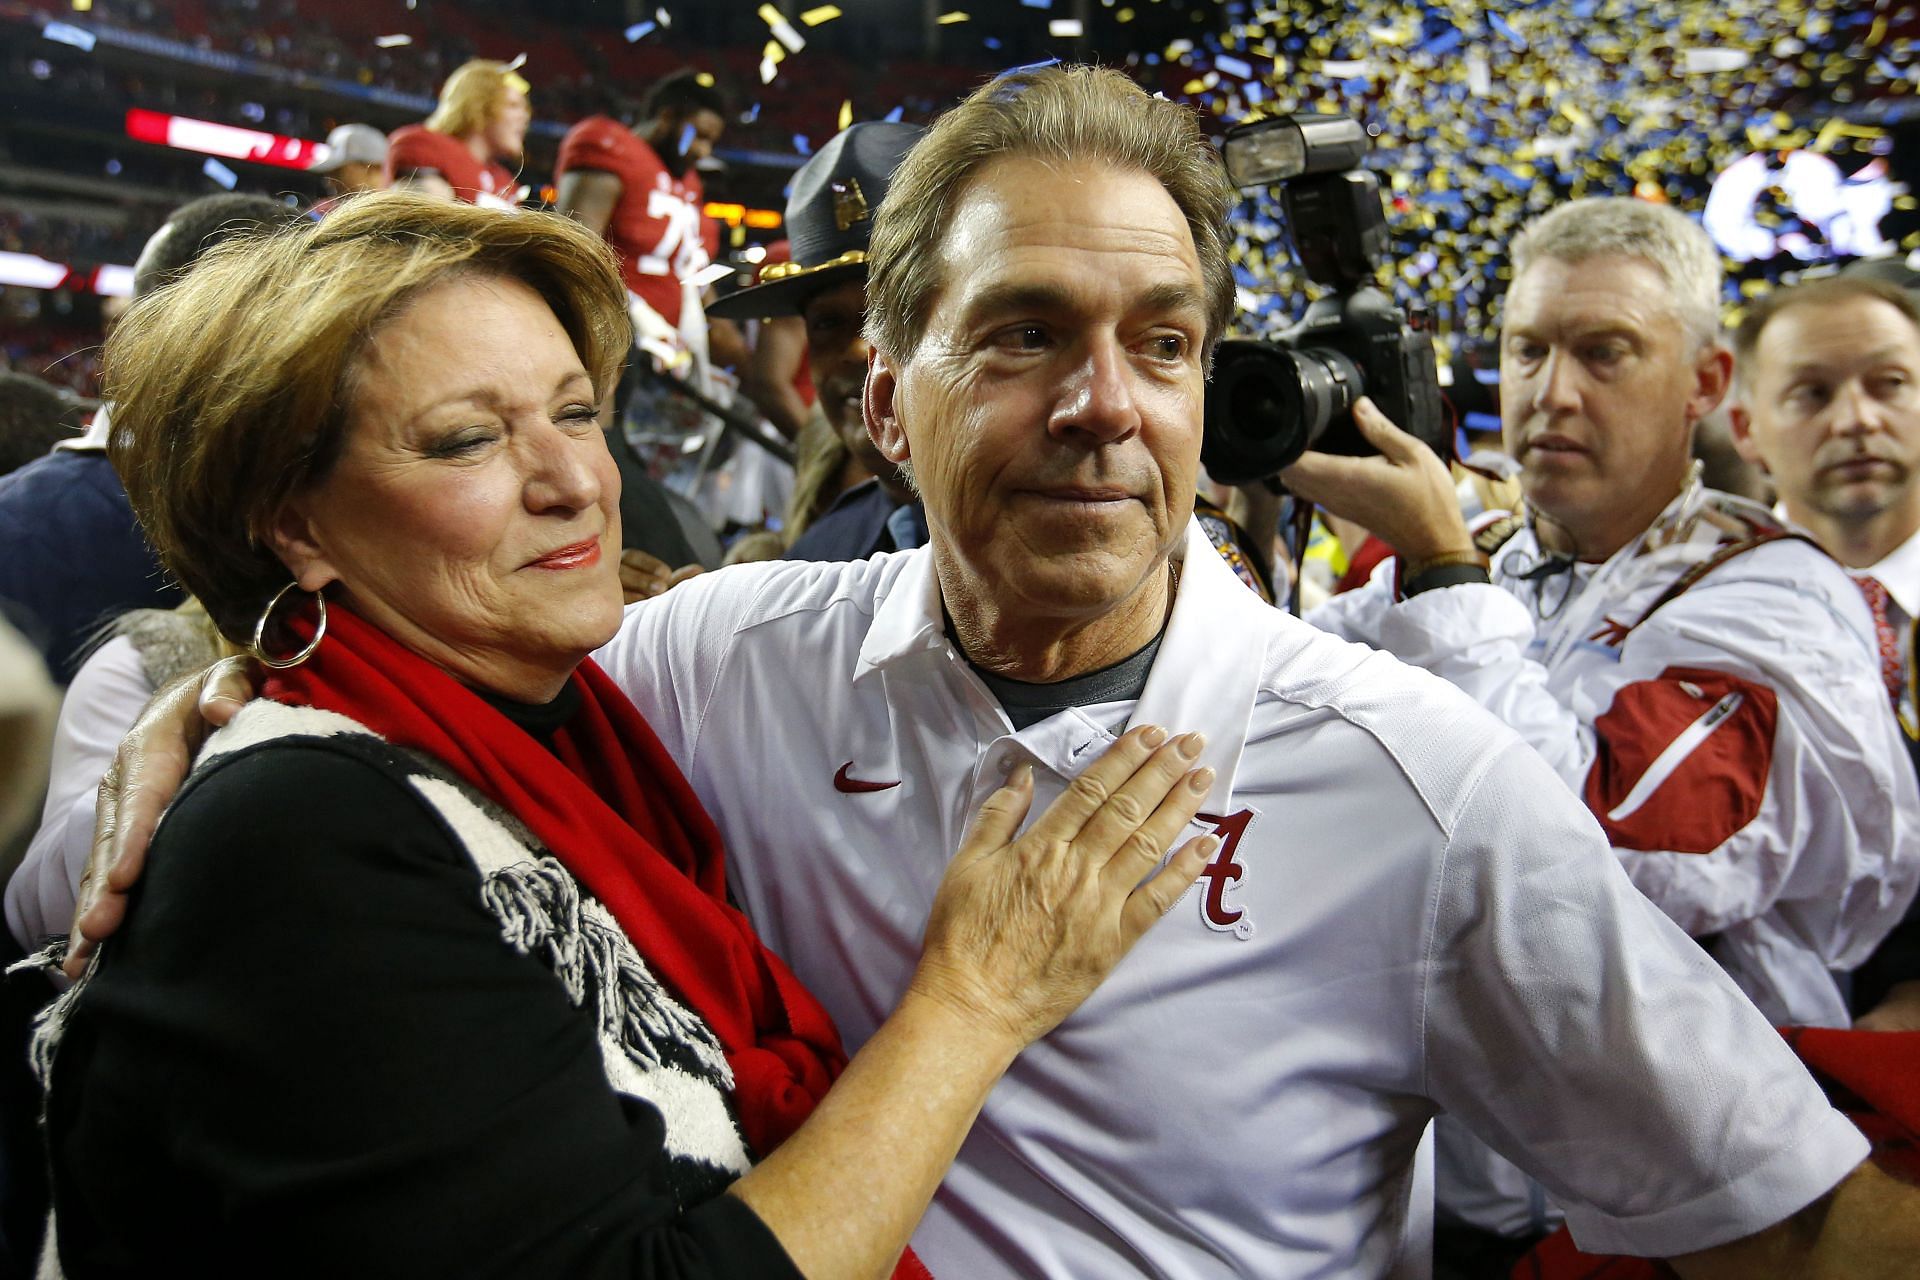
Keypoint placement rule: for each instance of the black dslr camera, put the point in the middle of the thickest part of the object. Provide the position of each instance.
(1267, 403)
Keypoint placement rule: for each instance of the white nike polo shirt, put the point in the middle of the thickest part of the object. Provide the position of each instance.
(1410, 913)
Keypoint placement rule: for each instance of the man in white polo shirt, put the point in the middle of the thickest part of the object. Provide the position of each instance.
(1408, 912)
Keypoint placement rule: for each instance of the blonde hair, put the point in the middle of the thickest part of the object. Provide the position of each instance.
(470, 98)
(1061, 115)
(233, 387)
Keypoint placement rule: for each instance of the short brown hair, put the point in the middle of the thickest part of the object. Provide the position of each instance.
(1064, 115)
(471, 97)
(232, 387)
(1813, 293)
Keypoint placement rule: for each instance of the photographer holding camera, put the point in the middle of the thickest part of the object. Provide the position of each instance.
(1706, 678)
(1703, 676)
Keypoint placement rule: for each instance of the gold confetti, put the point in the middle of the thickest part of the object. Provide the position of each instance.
(825, 13)
(846, 113)
(948, 19)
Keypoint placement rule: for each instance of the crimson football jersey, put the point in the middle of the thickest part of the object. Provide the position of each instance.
(415, 147)
(655, 228)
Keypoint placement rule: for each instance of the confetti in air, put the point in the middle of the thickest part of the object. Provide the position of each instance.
(1484, 118)
(782, 30)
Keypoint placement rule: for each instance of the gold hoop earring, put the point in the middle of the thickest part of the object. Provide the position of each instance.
(257, 648)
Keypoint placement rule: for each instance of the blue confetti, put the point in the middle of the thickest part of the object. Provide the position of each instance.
(687, 135)
(753, 113)
(992, 42)
(220, 173)
(1500, 24)
(65, 33)
(802, 145)
(1446, 42)
(641, 30)
(1037, 4)
(1232, 67)
(893, 116)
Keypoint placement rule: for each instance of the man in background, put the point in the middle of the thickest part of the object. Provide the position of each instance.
(1827, 404)
(829, 221)
(641, 190)
(1707, 682)
(353, 160)
(457, 152)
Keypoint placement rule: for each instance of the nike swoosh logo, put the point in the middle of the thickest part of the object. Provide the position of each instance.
(854, 786)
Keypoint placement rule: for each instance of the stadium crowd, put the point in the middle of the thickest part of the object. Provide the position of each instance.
(543, 738)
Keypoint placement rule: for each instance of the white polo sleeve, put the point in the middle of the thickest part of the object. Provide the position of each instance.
(107, 695)
(1571, 1026)
(670, 652)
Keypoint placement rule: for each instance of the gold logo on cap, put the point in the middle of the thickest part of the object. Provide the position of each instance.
(849, 204)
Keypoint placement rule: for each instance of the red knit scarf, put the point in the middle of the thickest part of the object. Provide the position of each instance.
(612, 806)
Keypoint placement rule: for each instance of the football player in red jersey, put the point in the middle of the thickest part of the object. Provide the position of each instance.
(482, 119)
(641, 191)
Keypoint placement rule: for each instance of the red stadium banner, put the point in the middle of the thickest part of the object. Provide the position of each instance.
(29, 271)
(208, 138)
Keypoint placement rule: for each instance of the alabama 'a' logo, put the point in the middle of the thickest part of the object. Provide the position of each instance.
(1219, 900)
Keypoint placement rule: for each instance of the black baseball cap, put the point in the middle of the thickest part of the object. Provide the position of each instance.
(829, 220)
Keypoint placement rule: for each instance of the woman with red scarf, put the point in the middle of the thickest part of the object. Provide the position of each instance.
(434, 971)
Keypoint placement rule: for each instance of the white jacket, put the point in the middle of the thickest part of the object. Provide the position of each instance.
(1735, 743)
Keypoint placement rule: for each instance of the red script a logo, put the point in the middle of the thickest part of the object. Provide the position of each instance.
(1222, 873)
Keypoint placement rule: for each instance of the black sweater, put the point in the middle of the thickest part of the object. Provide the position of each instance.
(310, 1052)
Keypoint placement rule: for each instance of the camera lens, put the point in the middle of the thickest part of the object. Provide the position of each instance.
(1267, 405)
(1329, 384)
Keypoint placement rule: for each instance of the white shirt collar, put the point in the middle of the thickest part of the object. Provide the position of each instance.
(1899, 573)
(95, 438)
(1204, 678)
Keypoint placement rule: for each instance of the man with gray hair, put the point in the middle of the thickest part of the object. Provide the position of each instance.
(1706, 679)
(1703, 676)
